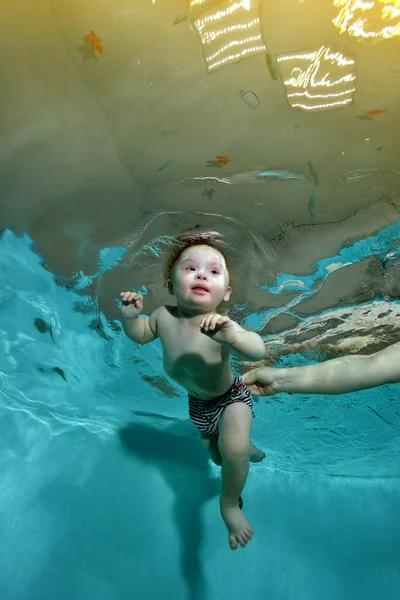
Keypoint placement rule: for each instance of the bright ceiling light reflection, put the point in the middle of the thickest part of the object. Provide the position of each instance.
(229, 31)
(318, 80)
(368, 19)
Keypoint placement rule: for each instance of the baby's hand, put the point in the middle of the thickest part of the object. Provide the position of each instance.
(219, 328)
(132, 304)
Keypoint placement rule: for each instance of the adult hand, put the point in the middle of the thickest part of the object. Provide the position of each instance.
(262, 381)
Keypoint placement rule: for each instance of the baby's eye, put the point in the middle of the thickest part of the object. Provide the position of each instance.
(215, 272)
(190, 269)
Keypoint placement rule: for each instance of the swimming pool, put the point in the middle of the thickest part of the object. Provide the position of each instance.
(106, 492)
(122, 125)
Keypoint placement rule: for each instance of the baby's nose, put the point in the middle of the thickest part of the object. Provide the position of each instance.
(201, 275)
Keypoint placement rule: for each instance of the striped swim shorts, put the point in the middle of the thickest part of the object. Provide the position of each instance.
(206, 414)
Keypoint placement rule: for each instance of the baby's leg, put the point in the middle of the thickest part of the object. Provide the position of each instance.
(210, 443)
(234, 446)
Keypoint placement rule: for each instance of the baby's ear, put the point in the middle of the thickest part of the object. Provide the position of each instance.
(169, 286)
(228, 294)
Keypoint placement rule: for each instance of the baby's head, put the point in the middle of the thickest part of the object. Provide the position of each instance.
(197, 273)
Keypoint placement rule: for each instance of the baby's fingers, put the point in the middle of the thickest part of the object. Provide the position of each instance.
(206, 323)
(216, 321)
(130, 297)
(222, 320)
(213, 321)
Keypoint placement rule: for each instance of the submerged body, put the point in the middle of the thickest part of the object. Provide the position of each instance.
(197, 343)
(190, 358)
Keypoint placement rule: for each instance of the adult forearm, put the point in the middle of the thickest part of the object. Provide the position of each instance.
(337, 376)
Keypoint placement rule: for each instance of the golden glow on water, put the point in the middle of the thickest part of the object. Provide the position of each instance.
(230, 10)
(212, 35)
(391, 11)
(229, 32)
(363, 19)
(193, 3)
(228, 46)
(307, 75)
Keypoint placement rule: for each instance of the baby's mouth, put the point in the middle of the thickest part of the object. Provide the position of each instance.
(200, 287)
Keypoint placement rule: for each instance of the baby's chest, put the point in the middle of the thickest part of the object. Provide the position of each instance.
(184, 343)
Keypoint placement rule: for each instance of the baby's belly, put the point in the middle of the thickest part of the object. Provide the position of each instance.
(205, 381)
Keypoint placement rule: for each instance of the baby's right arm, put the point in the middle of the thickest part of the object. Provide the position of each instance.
(141, 331)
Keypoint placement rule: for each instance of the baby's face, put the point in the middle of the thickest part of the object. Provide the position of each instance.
(200, 279)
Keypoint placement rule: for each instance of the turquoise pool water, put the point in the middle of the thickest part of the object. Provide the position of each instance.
(106, 493)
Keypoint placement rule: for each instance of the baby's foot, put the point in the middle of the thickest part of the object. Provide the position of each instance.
(256, 455)
(239, 529)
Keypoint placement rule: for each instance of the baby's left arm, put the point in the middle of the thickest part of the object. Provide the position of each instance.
(249, 345)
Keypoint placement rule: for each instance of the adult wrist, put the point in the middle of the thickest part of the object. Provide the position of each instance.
(282, 383)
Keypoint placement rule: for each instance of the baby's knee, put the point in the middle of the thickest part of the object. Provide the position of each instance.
(235, 450)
